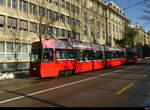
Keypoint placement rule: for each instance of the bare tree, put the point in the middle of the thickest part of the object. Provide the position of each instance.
(73, 21)
(43, 20)
(92, 28)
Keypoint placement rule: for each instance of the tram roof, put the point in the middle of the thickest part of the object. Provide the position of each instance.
(129, 49)
(108, 48)
(61, 44)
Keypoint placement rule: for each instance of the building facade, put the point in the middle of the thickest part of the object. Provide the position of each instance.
(25, 21)
(141, 40)
(142, 37)
(116, 23)
(93, 21)
(148, 38)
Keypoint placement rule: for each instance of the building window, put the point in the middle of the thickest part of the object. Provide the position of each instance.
(23, 6)
(57, 31)
(67, 19)
(33, 9)
(74, 35)
(114, 28)
(103, 35)
(62, 3)
(50, 14)
(12, 23)
(24, 48)
(50, 31)
(72, 8)
(69, 34)
(54, 31)
(18, 47)
(2, 21)
(12, 3)
(42, 11)
(78, 36)
(70, 20)
(77, 10)
(62, 18)
(23, 25)
(56, 2)
(66, 33)
(68, 6)
(9, 47)
(42, 29)
(33, 27)
(2, 46)
(85, 30)
(62, 32)
(56, 16)
(1, 2)
(50, 1)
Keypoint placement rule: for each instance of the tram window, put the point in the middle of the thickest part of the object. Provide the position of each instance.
(100, 55)
(129, 54)
(97, 55)
(80, 55)
(88, 55)
(83, 55)
(117, 54)
(72, 54)
(47, 55)
(108, 55)
(122, 55)
(61, 54)
(114, 54)
(36, 55)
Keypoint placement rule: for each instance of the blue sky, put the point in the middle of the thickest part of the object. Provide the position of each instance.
(133, 13)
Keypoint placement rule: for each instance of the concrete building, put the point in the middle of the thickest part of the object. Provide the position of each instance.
(148, 38)
(93, 21)
(142, 37)
(142, 40)
(25, 21)
(116, 23)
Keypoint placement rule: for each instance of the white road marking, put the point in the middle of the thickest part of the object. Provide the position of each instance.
(65, 85)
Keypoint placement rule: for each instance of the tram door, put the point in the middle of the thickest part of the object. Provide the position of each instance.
(48, 66)
(104, 57)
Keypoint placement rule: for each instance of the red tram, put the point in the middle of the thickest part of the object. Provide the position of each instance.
(53, 58)
(131, 55)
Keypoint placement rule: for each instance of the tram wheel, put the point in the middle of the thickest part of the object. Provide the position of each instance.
(72, 72)
(61, 74)
(69, 73)
(66, 73)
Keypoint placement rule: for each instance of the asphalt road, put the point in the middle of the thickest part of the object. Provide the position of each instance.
(124, 86)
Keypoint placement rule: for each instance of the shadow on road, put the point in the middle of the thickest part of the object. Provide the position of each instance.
(34, 98)
(133, 79)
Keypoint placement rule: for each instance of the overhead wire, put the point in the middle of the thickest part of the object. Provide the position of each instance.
(136, 4)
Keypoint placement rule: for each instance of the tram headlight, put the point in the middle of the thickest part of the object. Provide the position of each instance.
(34, 69)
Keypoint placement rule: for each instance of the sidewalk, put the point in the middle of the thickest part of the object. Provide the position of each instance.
(23, 73)
(15, 74)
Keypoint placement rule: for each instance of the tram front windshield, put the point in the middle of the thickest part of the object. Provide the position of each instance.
(41, 55)
(36, 55)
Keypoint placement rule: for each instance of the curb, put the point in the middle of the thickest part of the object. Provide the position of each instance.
(13, 75)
